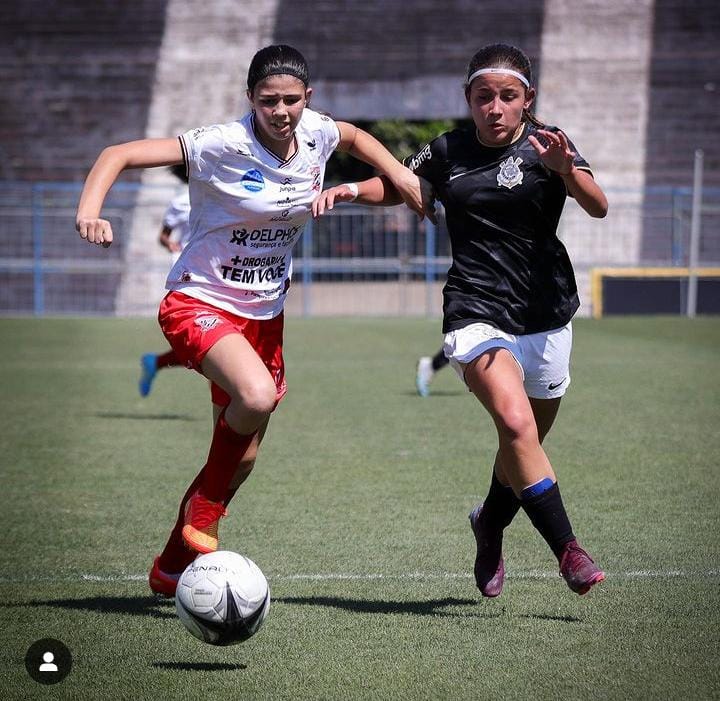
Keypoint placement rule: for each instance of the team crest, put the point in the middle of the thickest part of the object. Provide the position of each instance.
(207, 322)
(510, 174)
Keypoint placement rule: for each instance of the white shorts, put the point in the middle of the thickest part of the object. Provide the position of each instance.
(544, 358)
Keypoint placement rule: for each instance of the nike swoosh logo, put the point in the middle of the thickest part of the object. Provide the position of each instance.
(556, 385)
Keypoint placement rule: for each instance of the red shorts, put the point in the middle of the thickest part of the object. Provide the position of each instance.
(192, 327)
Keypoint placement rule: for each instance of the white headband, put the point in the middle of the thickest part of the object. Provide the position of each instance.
(502, 71)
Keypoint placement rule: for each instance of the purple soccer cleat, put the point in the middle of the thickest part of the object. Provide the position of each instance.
(578, 569)
(489, 566)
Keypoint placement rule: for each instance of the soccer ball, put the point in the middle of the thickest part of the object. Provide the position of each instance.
(222, 598)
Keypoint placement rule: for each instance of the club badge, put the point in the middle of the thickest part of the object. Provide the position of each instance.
(510, 174)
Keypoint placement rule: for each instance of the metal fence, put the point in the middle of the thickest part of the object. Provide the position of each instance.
(356, 260)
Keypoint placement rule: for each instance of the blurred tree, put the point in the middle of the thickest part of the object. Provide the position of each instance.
(400, 137)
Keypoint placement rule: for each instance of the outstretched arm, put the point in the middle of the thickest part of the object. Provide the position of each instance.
(367, 148)
(377, 191)
(146, 153)
(580, 184)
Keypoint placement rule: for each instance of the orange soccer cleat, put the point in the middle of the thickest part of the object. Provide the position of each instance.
(200, 531)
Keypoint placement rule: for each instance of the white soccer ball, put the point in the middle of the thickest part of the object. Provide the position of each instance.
(222, 598)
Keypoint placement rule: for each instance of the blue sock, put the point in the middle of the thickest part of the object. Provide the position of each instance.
(535, 489)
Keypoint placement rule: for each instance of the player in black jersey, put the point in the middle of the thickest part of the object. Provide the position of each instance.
(510, 293)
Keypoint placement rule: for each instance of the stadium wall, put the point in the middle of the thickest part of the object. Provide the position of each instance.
(632, 81)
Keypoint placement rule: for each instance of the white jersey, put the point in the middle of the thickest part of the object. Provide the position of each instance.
(177, 217)
(248, 208)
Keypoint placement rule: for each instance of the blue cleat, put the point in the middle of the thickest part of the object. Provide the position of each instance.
(148, 363)
(424, 375)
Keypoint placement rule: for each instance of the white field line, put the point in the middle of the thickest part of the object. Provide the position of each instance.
(369, 576)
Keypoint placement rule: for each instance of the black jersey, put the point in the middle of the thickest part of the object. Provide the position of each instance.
(502, 207)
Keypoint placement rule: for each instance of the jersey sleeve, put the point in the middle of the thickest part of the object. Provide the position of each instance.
(202, 149)
(429, 161)
(324, 130)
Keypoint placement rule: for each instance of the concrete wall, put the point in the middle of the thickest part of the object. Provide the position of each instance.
(634, 82)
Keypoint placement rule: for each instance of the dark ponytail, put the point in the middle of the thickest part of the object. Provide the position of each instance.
(503, 56)
(278, 59)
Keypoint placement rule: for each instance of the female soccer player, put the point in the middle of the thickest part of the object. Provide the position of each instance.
(510, 293)
(252, 183)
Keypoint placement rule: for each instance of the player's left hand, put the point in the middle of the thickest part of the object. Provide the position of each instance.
(327, 198)
(556, 155)
(408, 186)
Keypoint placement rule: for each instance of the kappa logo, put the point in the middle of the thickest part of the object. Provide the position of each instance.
(510, 174)
(207, 322)
(253, 180)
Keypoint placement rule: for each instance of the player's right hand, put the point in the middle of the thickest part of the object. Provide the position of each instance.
(97, 231)
(428, 200)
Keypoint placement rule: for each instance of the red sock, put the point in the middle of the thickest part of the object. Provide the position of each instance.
(226, 450)
(213, 482)
(167, 360)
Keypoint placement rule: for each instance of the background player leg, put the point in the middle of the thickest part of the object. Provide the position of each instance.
(151, 364)
(426, 369)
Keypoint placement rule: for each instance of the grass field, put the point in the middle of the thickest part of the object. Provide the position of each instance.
(357, 513)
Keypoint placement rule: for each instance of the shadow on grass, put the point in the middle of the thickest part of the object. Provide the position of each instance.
(416, 608)
(546, 617)
(199, 666)
(128, 605)
(144, 417)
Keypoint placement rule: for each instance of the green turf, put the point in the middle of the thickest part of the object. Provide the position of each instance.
(368, 486)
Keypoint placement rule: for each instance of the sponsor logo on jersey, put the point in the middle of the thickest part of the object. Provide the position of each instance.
(286, 185)
(253, 180)
(284, 203)
(510, 174)
(283, 216)
(244, 237)
(207, 322)
(425, 154)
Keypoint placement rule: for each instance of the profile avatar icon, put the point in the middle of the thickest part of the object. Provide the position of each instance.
(48, 661)
(48, 664)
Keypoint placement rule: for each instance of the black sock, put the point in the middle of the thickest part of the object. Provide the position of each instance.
(547, 513)
(500, 505)
(439, 361)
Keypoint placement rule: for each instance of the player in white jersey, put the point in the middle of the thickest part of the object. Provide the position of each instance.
(174, 236)
(175, 231)
(252, 183)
